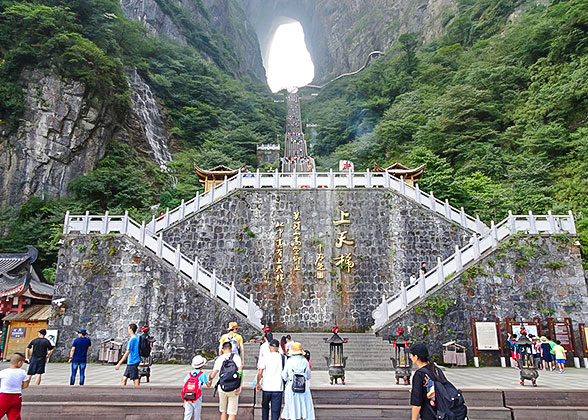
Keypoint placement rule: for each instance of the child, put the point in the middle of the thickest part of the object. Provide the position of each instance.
(560, 356)
(12, 381)
(514, 349)
(194, 407)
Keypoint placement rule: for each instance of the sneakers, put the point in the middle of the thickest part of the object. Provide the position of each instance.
(562, 371)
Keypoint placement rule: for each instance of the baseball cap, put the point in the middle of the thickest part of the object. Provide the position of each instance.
(274, 343)
(42, 331)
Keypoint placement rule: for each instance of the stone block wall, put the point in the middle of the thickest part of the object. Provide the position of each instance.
(110, 281)
(251, 236)
(526, 277)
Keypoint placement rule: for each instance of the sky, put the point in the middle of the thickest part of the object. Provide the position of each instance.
(289, 63)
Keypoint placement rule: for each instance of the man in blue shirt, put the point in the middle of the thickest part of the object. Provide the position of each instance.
(132, 354)
(78, 356)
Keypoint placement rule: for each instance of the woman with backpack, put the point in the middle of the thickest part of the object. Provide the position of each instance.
(297, 398)
(431, 391)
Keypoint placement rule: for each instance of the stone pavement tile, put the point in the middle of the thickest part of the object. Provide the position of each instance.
(480, 378)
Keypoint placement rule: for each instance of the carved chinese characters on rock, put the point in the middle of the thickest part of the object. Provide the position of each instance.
(345, 259)
(279, 254)
(319, 263)
(296, 242)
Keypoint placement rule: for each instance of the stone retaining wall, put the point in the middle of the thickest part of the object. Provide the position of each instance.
(239, 238)
(110, 281)
(526, 277)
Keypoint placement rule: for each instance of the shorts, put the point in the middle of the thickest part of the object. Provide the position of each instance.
(562, 361)
(132, 372)
(228, 402)
(37, 366)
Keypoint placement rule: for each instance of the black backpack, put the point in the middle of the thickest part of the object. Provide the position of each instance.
(144, 346)
(229, 379)
(448, 399)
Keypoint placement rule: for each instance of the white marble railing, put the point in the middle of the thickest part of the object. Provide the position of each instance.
(191, 268)
(530, 223)
(325, 180)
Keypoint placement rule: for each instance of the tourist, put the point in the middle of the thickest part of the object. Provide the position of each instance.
(269, 379)
(424, 268)
(297, 402)
(535, 350)
(288, 343)
(560, 356)
(283, 345)
(78, 356)
(132, 357)
(552, 345)
(193, 401)
(12, 381)
(413, 279)
(42, 349)
(235, 339)
(514, 349)
(264, 349)
(545, 349)
(228, 399)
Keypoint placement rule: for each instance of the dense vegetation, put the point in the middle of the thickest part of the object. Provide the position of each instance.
(215, 118)
(496, 108)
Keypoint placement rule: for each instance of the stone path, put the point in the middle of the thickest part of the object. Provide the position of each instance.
(481, 378)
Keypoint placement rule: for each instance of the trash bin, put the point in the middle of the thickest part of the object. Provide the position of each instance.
(110, 351)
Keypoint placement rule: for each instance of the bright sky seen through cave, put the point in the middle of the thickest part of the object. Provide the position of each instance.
(289, 63)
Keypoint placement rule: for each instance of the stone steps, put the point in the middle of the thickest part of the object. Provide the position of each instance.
(364, 351)
(152, 402)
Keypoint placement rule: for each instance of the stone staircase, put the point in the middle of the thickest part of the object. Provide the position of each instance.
(364, 351)
(331, 403)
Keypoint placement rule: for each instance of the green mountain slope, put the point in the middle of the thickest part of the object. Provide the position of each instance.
(497, 108)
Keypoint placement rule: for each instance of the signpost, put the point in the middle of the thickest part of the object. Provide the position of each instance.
(486, 337)
(584, 340)
(564, 332)
(18, 332)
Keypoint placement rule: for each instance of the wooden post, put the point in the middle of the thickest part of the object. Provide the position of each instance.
(475, 342)
(584, 343)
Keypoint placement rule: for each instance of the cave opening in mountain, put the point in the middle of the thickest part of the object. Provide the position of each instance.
(289, 63)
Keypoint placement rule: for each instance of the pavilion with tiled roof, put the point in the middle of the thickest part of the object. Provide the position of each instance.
(397, 169)
(212, 177)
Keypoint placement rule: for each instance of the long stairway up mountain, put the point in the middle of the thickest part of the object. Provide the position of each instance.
(296, 157)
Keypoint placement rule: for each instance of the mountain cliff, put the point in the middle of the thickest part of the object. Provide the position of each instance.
(341, 33)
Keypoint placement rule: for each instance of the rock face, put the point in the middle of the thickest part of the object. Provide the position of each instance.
(223, 21)
(341, 33)
(62, 134)
(243, 239)
(109, 282)
(526, 277)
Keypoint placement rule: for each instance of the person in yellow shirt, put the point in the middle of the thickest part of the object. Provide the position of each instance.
(560, 356)
(236, 341)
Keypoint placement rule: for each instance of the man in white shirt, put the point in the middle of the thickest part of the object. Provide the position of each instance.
(12, 381)
(228, 401)
(264, 348)
(269, 379)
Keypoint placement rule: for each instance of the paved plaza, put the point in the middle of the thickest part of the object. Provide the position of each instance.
(479, 378)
